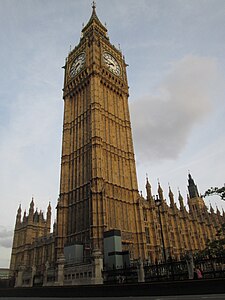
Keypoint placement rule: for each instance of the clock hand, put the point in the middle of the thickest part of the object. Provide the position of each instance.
(77, 65)
(109, 62)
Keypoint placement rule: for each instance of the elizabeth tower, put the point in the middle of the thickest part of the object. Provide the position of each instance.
(98, 186)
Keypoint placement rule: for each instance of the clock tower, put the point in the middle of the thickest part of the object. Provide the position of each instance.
(98, 186)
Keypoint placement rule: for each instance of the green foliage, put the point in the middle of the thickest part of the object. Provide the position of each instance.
(216, 191)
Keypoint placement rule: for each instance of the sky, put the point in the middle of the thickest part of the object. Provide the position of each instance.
(175, 52)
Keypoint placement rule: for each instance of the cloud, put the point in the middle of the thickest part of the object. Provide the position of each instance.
(30, 130)
(5, 237)
(163, 122)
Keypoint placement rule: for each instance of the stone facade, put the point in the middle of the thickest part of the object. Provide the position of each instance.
(98, 175)
(98, 186)
(33, 245)
(184, 229)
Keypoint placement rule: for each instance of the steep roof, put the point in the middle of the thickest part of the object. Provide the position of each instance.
(94, 21)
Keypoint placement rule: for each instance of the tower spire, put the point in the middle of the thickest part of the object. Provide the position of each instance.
(94, 22)
(192, 187)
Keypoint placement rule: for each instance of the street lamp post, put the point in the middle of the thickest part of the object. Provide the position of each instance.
(158, 203)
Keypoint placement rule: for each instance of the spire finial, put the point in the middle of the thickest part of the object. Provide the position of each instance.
(94, 5)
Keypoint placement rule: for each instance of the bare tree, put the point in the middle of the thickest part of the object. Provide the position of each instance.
(216, 191)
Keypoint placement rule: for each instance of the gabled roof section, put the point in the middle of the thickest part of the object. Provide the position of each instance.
(94, 22)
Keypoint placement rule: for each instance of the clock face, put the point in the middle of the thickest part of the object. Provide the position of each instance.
(77, 64)
(111, 63)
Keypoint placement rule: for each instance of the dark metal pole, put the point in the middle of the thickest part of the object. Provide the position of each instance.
(163, 244)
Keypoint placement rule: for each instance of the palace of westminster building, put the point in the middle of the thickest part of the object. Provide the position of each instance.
(102, 220)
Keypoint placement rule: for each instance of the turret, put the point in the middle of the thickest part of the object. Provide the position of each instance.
(31, 211)
(192, 187)
(18, 216)
(161, 197)
(24, 217)
(55, 228)
(36, 216)
(160, 192)
(148, 189)
(41, 216)
(181, 201)
(48, 220)
(149, 193)
(171, 196)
